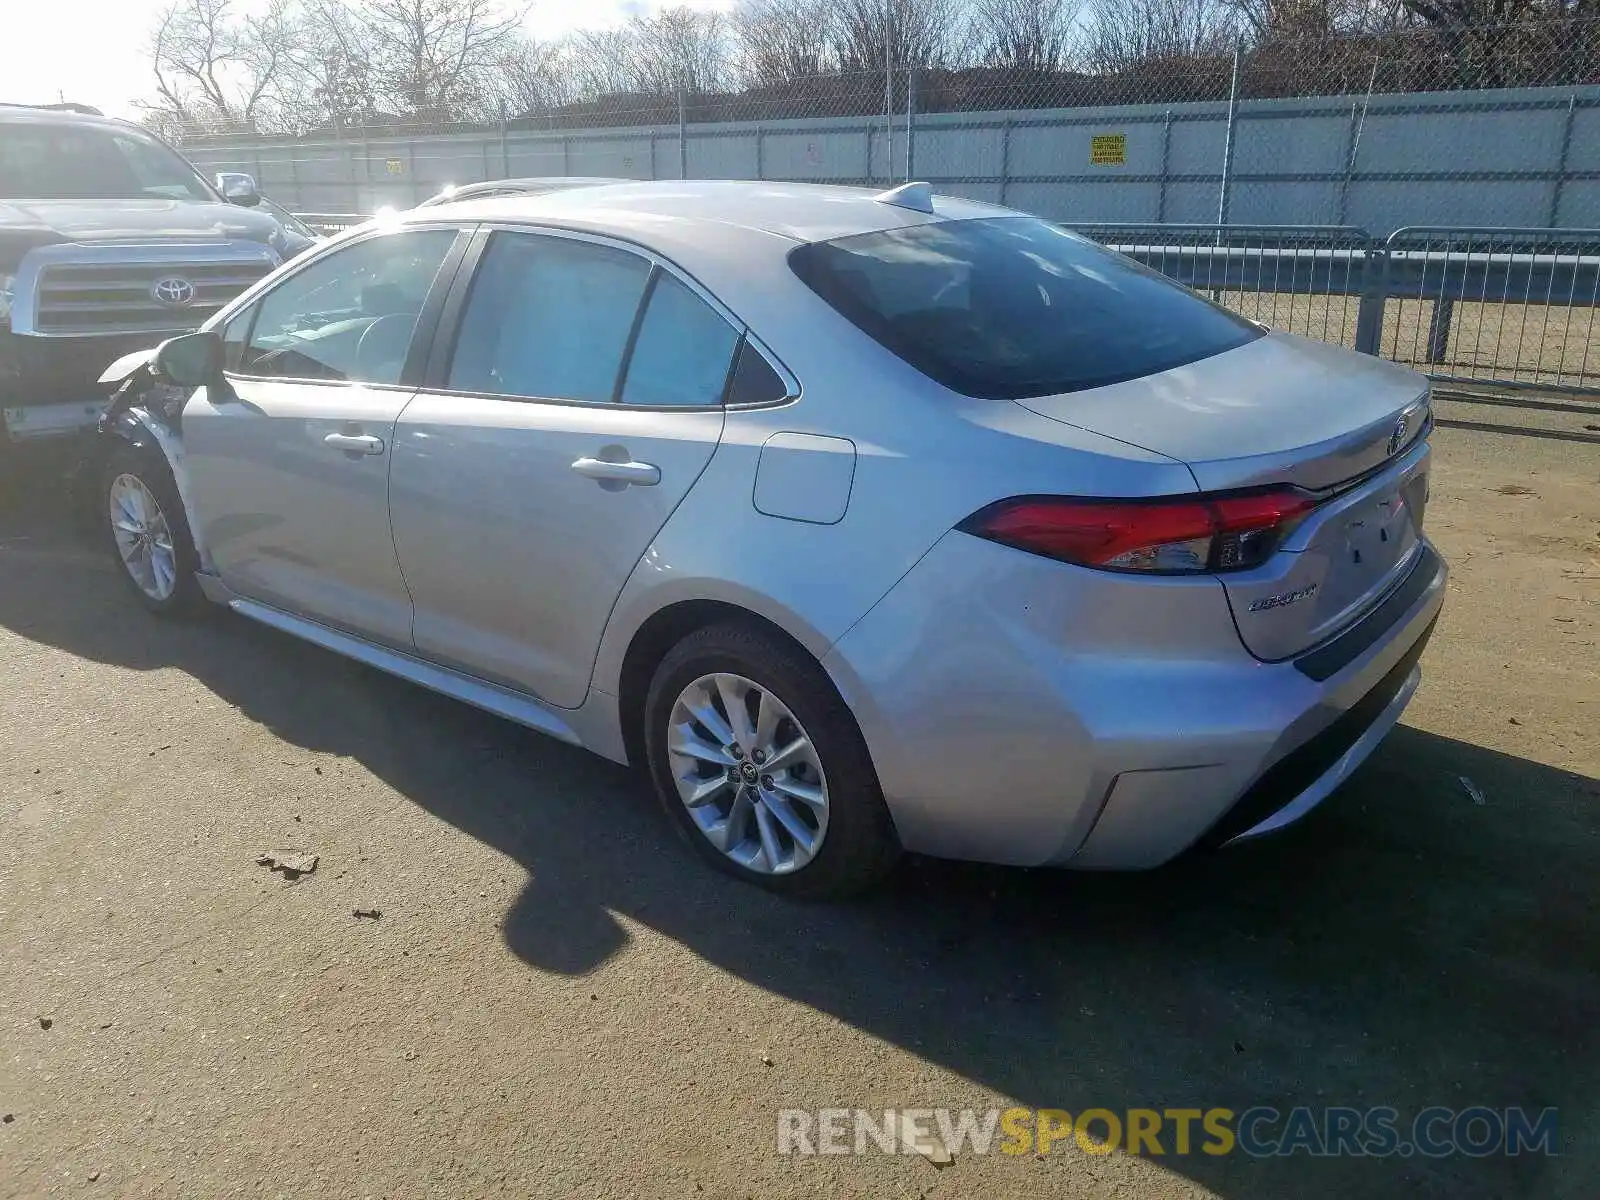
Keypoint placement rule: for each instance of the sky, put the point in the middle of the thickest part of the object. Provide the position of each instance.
(93, 51)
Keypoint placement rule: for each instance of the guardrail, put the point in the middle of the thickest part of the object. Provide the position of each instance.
(332, 222)
(1497, 307)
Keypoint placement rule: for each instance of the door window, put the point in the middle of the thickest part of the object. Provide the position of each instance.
(548, 317)
(350, 315)
(683, 350)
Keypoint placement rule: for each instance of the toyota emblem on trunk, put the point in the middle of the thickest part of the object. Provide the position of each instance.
(1398, 437)
(173, 292)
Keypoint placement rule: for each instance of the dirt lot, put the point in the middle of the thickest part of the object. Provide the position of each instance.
(556, 1000)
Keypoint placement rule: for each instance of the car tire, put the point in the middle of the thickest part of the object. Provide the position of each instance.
(857, 844)
(147, 532)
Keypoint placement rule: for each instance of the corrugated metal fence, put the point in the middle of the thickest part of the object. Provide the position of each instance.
(1515, 157)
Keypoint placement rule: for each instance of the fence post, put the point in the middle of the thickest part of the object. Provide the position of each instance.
(1349, 165)
(1561, 163)
(683, 138)
(888, 94)
(1227, 144)
(505, 147)
(1166, 159)
(1374, 289)
(761, 156)
(911, 112)
(1005, 160)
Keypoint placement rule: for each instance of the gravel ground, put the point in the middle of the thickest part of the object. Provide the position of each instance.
(557, 1000)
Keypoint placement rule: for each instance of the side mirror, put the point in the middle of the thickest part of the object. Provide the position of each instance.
(239, 188)
(192, 360)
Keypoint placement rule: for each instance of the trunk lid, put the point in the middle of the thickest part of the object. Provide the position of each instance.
(1286, 410)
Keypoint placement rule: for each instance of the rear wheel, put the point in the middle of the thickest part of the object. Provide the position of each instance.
(761, 767)
(148, 533)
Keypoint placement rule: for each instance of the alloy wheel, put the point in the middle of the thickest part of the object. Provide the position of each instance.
(748, 774)
(143, 536)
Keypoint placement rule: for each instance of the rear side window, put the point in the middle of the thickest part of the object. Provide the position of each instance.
(1012, 307)
(754, 380)
(548, 318)
(683, 349)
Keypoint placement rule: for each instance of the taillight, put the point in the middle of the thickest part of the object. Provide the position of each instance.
(1168, 535)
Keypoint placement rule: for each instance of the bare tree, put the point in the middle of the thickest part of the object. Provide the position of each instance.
(532, 77)
(215, 65)
(1123, 34)
(780, 41)
(430, 58)
(330, 78)
(903, 33)
(680, 49)
(599, 62)
(1024, 35)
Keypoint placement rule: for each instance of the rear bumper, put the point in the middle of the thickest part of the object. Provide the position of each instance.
(1114, 729)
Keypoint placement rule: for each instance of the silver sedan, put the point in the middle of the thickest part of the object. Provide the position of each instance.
(863, 523)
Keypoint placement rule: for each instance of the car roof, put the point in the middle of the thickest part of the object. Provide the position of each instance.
(800, 212)
(36, 115)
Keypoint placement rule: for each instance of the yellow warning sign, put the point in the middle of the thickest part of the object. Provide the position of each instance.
(1108, 150)
(395, 166)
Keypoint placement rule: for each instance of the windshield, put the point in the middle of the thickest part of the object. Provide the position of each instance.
(1012, 307)
(287, 219)
(80, 162)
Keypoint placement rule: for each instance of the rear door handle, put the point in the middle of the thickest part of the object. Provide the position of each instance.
(639, 473)
(355, 443)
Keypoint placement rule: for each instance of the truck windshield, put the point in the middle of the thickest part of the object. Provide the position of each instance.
(62, 162)
(1010, 307)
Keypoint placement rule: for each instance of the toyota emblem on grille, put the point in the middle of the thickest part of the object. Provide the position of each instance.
(1398, 437)
(173, 292)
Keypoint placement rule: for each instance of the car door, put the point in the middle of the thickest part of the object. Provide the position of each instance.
(289, 462)
(579, 403)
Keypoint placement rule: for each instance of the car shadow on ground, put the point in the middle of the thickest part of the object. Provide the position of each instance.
(1405, 946)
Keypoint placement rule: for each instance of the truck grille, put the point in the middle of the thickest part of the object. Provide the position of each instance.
(108, 297)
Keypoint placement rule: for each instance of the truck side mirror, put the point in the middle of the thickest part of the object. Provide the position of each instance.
(239, 188)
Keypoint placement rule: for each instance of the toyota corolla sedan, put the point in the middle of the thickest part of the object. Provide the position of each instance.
(863, 523)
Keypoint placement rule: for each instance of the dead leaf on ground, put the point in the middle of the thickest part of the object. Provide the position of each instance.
(292, 862)
(925, 1142)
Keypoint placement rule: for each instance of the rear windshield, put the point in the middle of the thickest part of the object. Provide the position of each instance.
(1012, 307)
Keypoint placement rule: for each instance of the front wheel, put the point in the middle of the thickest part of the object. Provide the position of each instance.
(148, 532)
(761, 767)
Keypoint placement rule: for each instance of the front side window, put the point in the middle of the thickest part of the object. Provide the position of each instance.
(349, 316)
(59, 161)
(1013, 307)
(683, 350)
(548, 317)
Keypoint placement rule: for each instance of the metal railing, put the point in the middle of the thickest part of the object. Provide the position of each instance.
(1512, 307)
(1496, 307)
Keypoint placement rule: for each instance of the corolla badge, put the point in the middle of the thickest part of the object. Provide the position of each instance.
(172, 291)
(1398, 437)
(1283, 599)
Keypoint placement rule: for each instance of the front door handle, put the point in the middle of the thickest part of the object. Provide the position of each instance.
(638, 473)
(355, 443)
